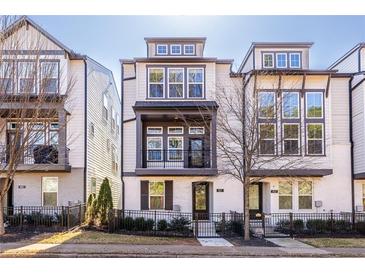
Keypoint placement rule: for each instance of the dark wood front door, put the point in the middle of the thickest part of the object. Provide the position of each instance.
(196, 153)
(201, 200)
(255, 200)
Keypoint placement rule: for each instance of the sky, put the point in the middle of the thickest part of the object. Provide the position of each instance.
(110, 38)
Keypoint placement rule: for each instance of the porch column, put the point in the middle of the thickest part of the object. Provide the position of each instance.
(213, 139)
(62, 149)
(138, 141)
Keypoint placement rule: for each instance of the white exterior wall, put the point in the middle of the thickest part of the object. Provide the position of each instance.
(358, 120)
(349, 64)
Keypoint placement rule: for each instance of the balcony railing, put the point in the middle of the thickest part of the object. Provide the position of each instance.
(37, 154)
(176, 158)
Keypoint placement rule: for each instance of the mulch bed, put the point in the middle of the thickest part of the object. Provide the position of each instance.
(238, 241)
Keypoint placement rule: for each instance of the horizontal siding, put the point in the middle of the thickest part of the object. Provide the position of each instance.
(350, 64)
(358, 128)
(129, 147)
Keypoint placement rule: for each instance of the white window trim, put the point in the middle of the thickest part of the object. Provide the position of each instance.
(277, 59)
(196, 133)
(189, 45)
(306, 104)
(148, 138)
(56, 77)
(263, 60)
(291, 139)
(286, 195)
(48, 191)
(162, 45)
(163, 82)
(274, 139)
(298, 101)
(262, 117)
(175, 149)
(202, 83)
(312, 195)
(20, 77)
(182, 130)
(307, 139)
(155, 133)
(105, 107)
(175, 45)
(163, 195)
(300, 60)
(168, 83)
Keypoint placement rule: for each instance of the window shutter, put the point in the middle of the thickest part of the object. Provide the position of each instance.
(168, 195)
(144, 195)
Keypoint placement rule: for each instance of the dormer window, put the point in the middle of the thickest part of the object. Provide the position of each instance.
(281, 61)
(189, 49)
(294, 60)
(175, 49)
(161, 49)
(268, 60)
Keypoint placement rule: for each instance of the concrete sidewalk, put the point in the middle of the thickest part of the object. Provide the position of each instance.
(118, 250)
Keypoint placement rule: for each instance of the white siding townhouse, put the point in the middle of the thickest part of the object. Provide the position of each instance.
(86, 130)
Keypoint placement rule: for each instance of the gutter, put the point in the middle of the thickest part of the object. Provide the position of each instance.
(85, 131)
(122, 133)
(352, 155)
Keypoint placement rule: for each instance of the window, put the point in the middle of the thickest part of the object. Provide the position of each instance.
(53, 133)
(26, 77)
(196, 130)
(196, 79)
(315, 139)
(154, 148)
(156, 78)
(294, 59)
(189, 49)
(268, 60)
(285, 195)
(175, 49)
(49, 77)
(37, 135)
(105, 107)
(118, 123)
(266, 104)
(363, 196)
(156, 195)
(305, 195)
(314, 104)
(290, 105)
(176, 130)
(175, 148)
(6, 77)
(267, 139)
(176, 83)
(49, 191)
(291, 139)
(113, 118)
(93, 185)
(154, 130)
(92, 129)
(281, 61)
(161, 49)
(114, 159)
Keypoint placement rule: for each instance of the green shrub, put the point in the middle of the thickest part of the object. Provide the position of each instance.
(342, 226)
(360, 227)
(317, 225)
(237, 227)
(179, 224)
(162, 225)
(139, 224)
(91, 209)
(104, 202)
(127, 223)
(298, 225)
(149, 224)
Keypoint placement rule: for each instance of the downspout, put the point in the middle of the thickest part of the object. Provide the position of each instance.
(352, 154)
(85, 131)
(121, 134)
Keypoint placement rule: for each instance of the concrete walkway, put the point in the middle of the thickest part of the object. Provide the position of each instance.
(296, 246)
(214, 242)
(118, 250)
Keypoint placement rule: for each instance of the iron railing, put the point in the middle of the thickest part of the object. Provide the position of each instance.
(176, 158)
(43, 218)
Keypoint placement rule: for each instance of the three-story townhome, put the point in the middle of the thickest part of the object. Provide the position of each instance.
(72, 148)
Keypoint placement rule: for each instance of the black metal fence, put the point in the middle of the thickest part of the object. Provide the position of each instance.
(43, 218)
(313, 224)
(176, 224)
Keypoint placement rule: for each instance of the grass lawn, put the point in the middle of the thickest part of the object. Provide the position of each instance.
(96, 237)
(335, 242)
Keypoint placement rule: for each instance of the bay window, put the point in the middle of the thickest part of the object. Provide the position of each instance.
(285, 195)
(267, 139)
(314, 105)
(290, 105)
(156, 82)
(156, 195)
(291, 139)
(49, 191)
(315, 142)
(266, 104)
(49, 76)
(176, 83)
(195, 82)
(305, 195)
(154, 148)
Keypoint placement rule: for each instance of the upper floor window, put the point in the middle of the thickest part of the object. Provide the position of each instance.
(105, 107)
(267, 139)
(268, 60)
(154, 130)
(154, 148)
(175, 148)
(156, 80)
(113, 113)
(294, 60)
(189, 49)
(53, 133)
(314, 104)
(266, 104)
(281, 60)
(176, 83)
(49, 77)
(175, 49)
(315, 142)
(291, 139)
(6, 77)
(290, 105)
(26, 77)
(195, 82)
(175, 130)
(196, 130)
(161, 49)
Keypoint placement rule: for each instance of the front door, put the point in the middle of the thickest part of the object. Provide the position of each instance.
(196, 153)
(255, 200)
(201, 200)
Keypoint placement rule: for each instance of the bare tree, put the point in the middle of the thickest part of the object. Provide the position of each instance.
(30, 104)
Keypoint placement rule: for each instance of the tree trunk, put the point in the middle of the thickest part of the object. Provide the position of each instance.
(246, 210)
(2, 227)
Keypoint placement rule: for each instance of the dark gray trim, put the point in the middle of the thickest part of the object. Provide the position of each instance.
(358, 84)
(33, 52)
(142, 105)
(193, 59)
(175, 39)
(291, 172)
(347, 54)
(282, 44)
(177, 172)
(292, 72)
(287, 60)
(169, 44)
(139, 132)
(129, 120)
(359, 176)
(352, 153)
(122, 133)
(85, 132)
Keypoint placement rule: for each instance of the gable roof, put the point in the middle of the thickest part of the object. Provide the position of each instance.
(347, 54)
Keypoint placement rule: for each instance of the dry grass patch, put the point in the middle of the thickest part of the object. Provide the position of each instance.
(335, 242)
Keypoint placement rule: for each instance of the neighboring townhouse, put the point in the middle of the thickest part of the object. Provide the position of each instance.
(310, 129)
(86, 130)
(169, 129)
(353, 62)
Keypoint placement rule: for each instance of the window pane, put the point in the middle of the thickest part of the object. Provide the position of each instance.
(175, 49)
(295, 60)
(291, 131)
(156, 90)
(196, 130)
(154, 130)
(175, 130)
(281, 60)
(266, 104)
(157, 188)
(154, 143)
(53, 136)
(315, 147)
(314, 105)
(291, 147)
(196, 75)
(156, 75)
(49, 198)
(196, 90)
(176, 90)
(285, 188)
(49, 69)
(268, 60)
(6, 85)
(189, 49)
(267, 131)
(154, 155)
(156, 202)
(50, 184)
(305, 202)
(305, 188)
(314, 131)
(162, 49)
(291, 105)
(285, 202)
(267, 147)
